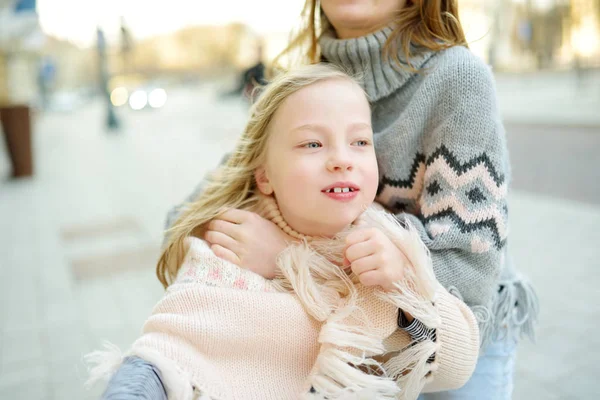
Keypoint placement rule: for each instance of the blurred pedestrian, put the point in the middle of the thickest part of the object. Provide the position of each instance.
(46, 77)
(112, 123)
(251, 78)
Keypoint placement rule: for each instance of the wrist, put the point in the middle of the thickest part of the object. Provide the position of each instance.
(407, 317)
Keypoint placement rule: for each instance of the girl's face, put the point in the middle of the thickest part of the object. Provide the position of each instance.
(355, 18)
(320, 161)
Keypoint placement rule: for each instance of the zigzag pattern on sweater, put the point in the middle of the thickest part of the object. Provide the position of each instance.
(470, 195)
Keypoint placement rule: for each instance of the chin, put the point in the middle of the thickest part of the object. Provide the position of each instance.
(355, 13)
(346, 219)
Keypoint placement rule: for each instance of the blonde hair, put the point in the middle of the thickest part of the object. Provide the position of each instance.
(233, 185)
(432, 24)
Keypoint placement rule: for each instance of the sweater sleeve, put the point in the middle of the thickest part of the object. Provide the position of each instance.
(457, 342)
(461, 214)
(437, 359)
(441, 344)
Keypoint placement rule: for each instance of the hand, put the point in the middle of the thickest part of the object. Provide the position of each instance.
(374, 258)
(247, 240)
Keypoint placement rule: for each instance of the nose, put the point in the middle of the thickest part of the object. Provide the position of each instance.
(339, 161)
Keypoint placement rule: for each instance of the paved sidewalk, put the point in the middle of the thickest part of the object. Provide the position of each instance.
(550, 97)
(79, 240)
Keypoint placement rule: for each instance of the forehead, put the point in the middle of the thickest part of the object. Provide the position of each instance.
(331, 101)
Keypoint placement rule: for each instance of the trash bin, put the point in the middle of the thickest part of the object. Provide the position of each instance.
(16, 123)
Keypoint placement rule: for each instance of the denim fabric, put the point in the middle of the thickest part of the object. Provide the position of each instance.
(135, 379)
(492, 379)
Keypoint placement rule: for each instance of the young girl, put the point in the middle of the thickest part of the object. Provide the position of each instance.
(306, 162)
(443, 162)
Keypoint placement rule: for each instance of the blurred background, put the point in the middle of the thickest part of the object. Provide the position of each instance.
(112, 111)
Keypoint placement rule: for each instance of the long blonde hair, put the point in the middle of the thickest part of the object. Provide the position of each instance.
(433, 24)
(233, 185)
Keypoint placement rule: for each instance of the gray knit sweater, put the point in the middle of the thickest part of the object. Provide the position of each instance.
(444, 168)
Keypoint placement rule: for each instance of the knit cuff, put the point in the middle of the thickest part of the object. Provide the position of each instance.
(457, 347)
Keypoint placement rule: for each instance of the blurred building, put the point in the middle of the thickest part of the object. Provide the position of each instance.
(514, 35)
(534, 34)
(20, 41)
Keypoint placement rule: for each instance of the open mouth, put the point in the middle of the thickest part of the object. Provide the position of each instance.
(340, 190)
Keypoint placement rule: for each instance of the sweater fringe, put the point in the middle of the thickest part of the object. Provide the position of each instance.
(102, 364)
(512, 315)
(329, 295)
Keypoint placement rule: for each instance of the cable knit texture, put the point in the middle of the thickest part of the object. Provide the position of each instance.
(444, 167)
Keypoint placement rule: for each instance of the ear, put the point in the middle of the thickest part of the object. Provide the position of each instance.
(262, 181)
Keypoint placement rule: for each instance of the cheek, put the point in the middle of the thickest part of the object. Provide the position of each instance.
(371, 181)
(293, 182)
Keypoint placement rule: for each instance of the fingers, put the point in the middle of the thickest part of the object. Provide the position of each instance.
(364, 264)
(359, 235)
(223, 240)
(225, 254)
(225, 227)
(359, 250)
(371, 278)
(235, 216)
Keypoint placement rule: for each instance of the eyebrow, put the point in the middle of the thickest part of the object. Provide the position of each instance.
(320, 128)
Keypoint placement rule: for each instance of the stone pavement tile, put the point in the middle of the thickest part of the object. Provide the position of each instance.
(582, 381)
(20, 304)
(24, 382)
(137, 256)
(75, 390)
(139, 292)
(21, 346)
(554, 243)
(62, 310)
(56, 281)
(71, 376)
(67, 343)
(28, 390)
(101, 308)
(550, 358)
(549, 97)
(123, 338)
(533, 388)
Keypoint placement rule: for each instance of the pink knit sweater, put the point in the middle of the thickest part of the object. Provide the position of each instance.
(227, 333)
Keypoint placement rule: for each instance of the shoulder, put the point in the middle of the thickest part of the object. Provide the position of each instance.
(459, 70)
(460, 61)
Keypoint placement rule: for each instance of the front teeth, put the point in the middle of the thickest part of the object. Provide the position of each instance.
(340, 190)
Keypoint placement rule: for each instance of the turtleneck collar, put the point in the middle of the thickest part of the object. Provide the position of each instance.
(363, 56)
(268, 208)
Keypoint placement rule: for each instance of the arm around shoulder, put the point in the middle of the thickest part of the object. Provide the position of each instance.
(462, 210)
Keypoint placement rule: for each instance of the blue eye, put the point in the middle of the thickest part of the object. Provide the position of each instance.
(362, 143)
(312, 145)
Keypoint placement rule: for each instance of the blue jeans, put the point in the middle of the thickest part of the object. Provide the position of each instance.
(492, 379)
